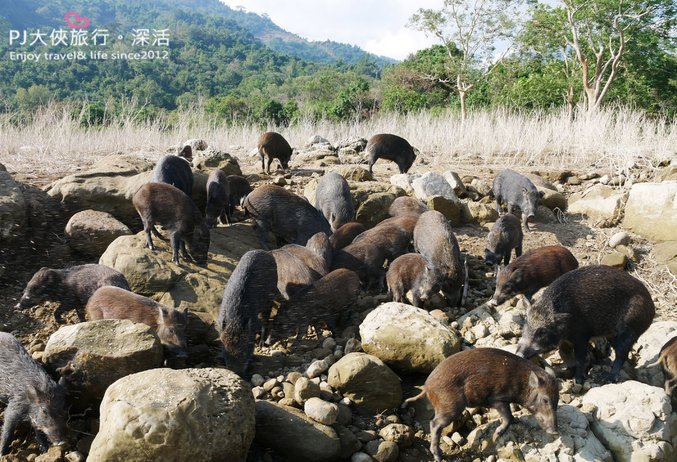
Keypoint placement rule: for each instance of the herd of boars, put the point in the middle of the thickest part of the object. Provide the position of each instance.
(322, 259)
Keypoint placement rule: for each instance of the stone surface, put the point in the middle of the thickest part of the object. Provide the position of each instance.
(632, 419)
(449, 208)
(598, 202)
(433, 184)
(321, 411)
(615, 259)
(651, 210)
(288, 432)
(176, 415)
(666, 254)
(403, 180)
(553, 199)
(12, 208)
(425, 345)
(90, 231)
(383, 451)
(370, 384)
(101, 352)
(455, 182)
(354, 173)
(478, 213)
(526, 441)
(374, 209)
(646, 350)
(208, 160)
(401, 434)
(619, 238)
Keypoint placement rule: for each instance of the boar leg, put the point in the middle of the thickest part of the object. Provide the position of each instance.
(670, 385)
(622, 345)
(498, 204)
(149, 239)
(270, 161)
(12, 419)
(518, 251)
(580, 352)
(442, 419)
(176, 244)
(41, 439)
(506, 417)
(263, 161)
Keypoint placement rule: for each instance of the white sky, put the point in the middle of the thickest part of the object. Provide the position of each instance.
(377, 26)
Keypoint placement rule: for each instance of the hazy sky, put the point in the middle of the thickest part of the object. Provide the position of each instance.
(377, 26)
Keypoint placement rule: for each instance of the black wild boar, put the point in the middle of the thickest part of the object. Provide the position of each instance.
(517, 191)
(411, 271)
(292, 273)
(169, 324)
(390, 147)
(271, 146)
(218, 200)
(30, 395)
(405, 205)
(346, 234)
(585, 303)
(325, 300)
(332, 198)
(239, 188)
(668, 359)
(186, 152)
(505, 235)
(488, 377)
(289, 217)
(72, 287)
(533, 270)
(163, 204)
(365, 259)
(435, 240)
(176, 171)
(249, 293)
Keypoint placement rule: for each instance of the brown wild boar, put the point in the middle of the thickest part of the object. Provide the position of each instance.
(411, 271)
(366, 259)
(405, 205)
(532, 271)
(115, 303)
(346, 234)
(163, 204)
(292, 273)
(505, 235)
(488, 377)
(271, 146)
(668, 359)
(390, 147)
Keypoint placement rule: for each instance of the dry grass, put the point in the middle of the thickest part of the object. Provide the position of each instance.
(54, 143)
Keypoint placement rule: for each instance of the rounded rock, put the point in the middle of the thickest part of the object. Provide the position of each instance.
(398, 433)
(321, 411)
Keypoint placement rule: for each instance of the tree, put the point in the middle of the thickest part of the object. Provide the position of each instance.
(469, 30)
(600, 31)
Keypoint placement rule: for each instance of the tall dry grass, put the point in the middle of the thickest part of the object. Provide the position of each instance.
(53, 142)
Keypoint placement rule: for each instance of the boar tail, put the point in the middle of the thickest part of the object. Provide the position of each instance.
(413, 399)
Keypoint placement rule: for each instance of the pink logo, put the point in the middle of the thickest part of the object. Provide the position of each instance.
(75, 21)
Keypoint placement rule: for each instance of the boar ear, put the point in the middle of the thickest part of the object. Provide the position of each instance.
(525, 192)
(534, 381)
(162, 315)
(517, 275)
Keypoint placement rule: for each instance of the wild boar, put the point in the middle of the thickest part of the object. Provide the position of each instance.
(115, 303)
(30, 395)
(405, 205)
(530, 272)
(517, 191)
(505, 235)
(390, 147)
(176, 171)
(585, 303)
(289, 217)
(332, 198)
(71, 287)
(249, 293)
(218, 200)
(163, 204)
(488, 377)
(271, 146)
(411, 272)
(346, 234)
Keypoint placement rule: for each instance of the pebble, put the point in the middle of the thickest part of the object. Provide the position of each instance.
(329, 343)
(352, 345)
(292, 377)
(398, 433)
(366, 435)
(257, 380)
(269, 384)
(279, 180)
(74, 456)
(305, 389)
(321, 411)
(360, 457)
(317, 368)
(384, 451)
(620, 238)
(258, 392)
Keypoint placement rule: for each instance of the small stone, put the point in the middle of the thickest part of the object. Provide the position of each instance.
(321, 411)
(615, 259)
(360, 457)
(400, 434)
(257, 380)
(74, 456)
(279, 180)
(270, 384)
(329, 343)
(458, 439)
(384, 451)
(54, 454)
(620, 238)
(292, 377)
(352, 345)
(317, 368)
(258, 392)
(305, 389)
(366, 436)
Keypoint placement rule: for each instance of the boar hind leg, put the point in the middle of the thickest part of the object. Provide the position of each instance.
(622, 345)
(506, 418)
(580, 352)
(176, 246)
(442, 419)
(670, 385)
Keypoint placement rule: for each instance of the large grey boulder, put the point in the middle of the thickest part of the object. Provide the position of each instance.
(666, 254)
(198, 288)
(598, 202)
(367, 382)
(208, 160)
(528, 442)
(90, 231)
(651, 210)
(176, 415)
(288, 432)
(407, 338)
(433, 184)
(633, 420)
(12, 208)
(97, 353)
